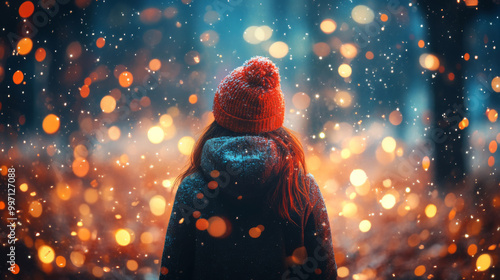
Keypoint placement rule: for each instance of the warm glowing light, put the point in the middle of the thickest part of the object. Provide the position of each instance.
(126, 79)
(24, 46)
(114, 133)
(91, 196)
(77, 258)
(80, 151)
(452, 248)
(421, 43)
(301, 100)
(388, 201)
(210, 38)
(263, 33)
(80, 167)
(483, 262)
(395, 117)
(492, 115)
(26, 9)
(257, 34)
(108, 104)
(384, 17)
(278, 49)
(343, 99)
(100, 42)
(426, 162)
(74, 50)
(362, 14)
(249, 35)
(491, 161)
(365, 226)
(192, 58)
(18, 77)
(343, 272)
(156, 134)
(388, 144)
(84, 234)
(348, 50)
(472, 249)
(46, 254)
(98, 272)
(132, 265)
(450, 199)
(387, 183)
(147, 237)
(254, 232)
(193, 98)
(122, 237)
(202, 224)
(217, 227)
(358, 177)
(345, 153)
(23, 187)
(349, 210)
(430, 210)
(166, 120)
(155, 64)
(364, 189)
(321, 49)
(63, 191)
(157, 205)
(495, 84)
(492, 147)
(357, 144)
(186, 145)
(51, 124)
(61, 261)
(328, 26)
(451, 76)
(40, 54)
(369, 55)
(166, 184)
(419, 270)
(463, 123)
(84, 91)
(429, 61)
(35, 209)
(471, 3)
(345, 70)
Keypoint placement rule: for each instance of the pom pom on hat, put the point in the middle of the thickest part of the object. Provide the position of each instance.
(249, 99)
(260, 71)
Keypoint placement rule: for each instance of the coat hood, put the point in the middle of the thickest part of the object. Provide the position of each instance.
(243, 166)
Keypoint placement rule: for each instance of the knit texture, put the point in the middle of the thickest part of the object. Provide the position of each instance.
(237, 174)
(250, 99)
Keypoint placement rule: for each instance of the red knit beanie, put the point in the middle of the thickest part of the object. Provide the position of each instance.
(250, 100)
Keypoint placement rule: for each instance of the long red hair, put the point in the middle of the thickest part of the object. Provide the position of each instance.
(291, 193)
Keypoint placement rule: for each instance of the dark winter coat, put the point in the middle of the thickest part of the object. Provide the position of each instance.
(243, 168)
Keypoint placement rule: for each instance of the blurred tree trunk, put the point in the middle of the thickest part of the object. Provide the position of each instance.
(446, 21)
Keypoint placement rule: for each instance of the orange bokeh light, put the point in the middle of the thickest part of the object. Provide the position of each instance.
(51, 124)
(26, 9)
(18, 77)
(126, 79)
(40, 54)
(100, 42)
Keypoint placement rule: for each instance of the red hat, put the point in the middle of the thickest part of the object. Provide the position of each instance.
(250, 100)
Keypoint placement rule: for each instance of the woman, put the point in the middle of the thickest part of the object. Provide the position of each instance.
(246, 208)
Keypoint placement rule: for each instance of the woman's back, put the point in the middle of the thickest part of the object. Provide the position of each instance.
(223, 228)
(246, 207)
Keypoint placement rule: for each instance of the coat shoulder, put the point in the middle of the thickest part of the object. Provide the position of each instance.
(314, 191)
(190, 186)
